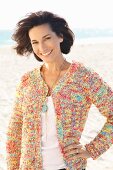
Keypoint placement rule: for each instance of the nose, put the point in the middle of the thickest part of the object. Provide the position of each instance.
(42, 48)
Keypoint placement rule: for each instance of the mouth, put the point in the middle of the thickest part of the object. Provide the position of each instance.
(46, 54)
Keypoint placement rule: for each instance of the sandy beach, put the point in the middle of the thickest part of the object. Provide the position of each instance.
(98, 56)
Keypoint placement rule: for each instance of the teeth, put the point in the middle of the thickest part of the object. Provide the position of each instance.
(46, 53)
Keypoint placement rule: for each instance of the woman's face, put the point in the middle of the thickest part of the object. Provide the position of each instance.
(45, 42)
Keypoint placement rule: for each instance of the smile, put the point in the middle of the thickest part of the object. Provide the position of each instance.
(45, 54)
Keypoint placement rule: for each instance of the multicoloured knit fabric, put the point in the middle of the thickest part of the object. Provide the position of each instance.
(73, 96)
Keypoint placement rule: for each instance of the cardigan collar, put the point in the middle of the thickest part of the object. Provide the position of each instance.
(39, 79)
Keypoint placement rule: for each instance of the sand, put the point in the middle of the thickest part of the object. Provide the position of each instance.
(98, 56)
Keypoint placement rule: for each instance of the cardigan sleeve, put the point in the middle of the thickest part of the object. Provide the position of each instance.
(14, 131)
(102, 97)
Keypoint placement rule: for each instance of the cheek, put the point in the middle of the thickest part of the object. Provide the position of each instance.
(34, 49)
(53, 45)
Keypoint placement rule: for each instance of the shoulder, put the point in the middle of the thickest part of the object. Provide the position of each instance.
(85, 72)
(29, 77)
(81, 68)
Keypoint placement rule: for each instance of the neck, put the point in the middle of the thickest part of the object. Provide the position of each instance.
(54, 66)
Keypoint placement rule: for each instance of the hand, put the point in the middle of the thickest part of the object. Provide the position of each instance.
(75, 151)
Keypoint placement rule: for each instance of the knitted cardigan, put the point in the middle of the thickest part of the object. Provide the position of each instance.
(73, 96)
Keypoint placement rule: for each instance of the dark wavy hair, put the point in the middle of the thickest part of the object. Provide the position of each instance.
(57, 24)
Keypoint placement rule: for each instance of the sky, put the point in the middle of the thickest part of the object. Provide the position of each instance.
(78, 13)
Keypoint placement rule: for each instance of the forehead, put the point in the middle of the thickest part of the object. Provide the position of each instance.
(40, 30)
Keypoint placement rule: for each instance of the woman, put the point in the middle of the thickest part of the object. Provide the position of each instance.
(53, 101)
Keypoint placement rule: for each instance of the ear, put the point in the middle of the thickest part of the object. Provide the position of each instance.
(61, 38)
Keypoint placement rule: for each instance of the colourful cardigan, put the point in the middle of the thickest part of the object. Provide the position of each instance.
(73, 96)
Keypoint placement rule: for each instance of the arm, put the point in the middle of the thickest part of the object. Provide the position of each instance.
(102, 97)
(14, 132)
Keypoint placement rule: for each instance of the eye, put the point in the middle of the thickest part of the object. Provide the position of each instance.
(47, 38)
(34, 42)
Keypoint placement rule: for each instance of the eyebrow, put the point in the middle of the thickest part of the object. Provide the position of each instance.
(45, 35)
(42, 37)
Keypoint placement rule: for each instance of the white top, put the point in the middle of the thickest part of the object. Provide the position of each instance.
(51, 154)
